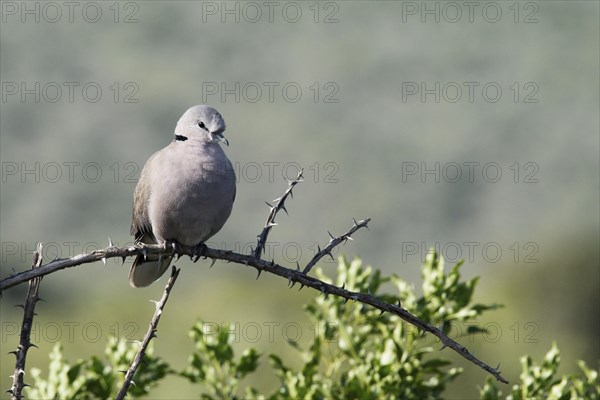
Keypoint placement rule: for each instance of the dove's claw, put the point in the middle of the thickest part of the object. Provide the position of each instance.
(173, 245)
(199, 251)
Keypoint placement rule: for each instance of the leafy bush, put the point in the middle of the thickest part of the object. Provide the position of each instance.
(357, 351)
(541, 381)
(93, 379)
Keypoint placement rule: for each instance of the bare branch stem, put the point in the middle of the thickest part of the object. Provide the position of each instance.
(150, 334)
(24, 342)
(274, 209)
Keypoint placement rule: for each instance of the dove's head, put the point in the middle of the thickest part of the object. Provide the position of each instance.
(201, 123)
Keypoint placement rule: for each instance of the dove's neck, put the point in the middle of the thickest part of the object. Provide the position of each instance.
(196, 143)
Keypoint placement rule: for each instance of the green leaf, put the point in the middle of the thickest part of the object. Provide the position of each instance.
(248, 362)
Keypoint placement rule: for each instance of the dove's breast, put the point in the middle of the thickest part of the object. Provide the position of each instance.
(191, 202)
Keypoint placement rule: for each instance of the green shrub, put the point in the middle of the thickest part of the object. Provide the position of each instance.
(357, 351)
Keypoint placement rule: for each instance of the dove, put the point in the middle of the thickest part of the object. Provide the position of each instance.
(185, 193)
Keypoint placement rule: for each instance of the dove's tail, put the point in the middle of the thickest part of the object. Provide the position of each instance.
(144, 272)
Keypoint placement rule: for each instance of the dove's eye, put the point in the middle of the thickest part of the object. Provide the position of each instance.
(201, 125)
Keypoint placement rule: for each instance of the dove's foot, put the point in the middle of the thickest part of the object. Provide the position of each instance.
(199, 251)
(173, 245)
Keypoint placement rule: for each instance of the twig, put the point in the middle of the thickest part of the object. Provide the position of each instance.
(62, 263)
(279, 205)
(150, 334)
(24, 342)
(291, 275)
(334, 241)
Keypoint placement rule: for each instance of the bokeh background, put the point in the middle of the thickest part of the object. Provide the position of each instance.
(376, 111)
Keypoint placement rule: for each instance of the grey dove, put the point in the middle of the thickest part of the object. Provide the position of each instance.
(185, 192)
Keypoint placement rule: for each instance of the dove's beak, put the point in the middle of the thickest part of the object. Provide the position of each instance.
(221, 138)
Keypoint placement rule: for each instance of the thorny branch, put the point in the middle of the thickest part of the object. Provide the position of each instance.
(293, 276)
(24, 342)
(333, 242)
(279, 205)
(150, 334)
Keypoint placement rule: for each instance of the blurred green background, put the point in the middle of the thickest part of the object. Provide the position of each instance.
(70, 160)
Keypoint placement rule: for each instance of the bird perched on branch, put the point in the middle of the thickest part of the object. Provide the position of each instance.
(185, 192)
